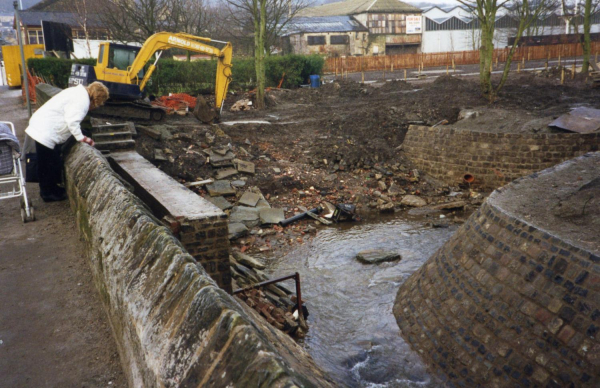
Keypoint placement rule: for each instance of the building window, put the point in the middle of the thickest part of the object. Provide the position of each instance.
(35, 36)
(316, 40)
(339, 39)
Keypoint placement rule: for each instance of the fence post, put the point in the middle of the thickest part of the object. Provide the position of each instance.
(404, 74)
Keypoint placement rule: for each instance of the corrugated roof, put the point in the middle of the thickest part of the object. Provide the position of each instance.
(323, 24)
(34, 18)
(354, 7)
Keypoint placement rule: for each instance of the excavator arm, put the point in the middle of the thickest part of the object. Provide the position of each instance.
(166, 40)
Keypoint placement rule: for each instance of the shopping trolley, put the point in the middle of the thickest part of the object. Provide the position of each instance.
(12, 183)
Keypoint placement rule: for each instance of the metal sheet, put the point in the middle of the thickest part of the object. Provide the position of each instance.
(580, 120)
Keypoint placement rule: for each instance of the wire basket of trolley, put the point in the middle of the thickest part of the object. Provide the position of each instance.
(12, 183)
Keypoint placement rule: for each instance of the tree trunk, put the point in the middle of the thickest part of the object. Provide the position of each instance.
(260, 24)
(486, 53)
(587, 42)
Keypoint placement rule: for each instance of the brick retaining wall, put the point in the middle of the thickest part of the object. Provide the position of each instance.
(504, 303)
(495, 159)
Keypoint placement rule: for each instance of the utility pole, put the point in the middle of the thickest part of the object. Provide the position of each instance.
(23, 64)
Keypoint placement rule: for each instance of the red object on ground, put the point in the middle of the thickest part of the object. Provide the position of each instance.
(175, 102)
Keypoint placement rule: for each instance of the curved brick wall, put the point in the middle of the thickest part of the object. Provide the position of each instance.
(495, 159)
(505, 303)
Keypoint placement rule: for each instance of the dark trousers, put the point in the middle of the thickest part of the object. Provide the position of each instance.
(50, 166)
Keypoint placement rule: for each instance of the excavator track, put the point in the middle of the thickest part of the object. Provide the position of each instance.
(129, 110)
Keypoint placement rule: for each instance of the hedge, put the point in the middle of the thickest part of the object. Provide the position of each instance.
(173, 76)
(55, 70)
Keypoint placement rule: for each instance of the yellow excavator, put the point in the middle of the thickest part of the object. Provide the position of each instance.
(122, 69)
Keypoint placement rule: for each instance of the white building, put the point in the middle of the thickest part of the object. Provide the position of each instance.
(457, 29)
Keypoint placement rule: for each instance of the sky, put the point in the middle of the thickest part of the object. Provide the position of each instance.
(6, 6)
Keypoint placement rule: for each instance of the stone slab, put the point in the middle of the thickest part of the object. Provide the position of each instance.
(225, 173)
(249, 199)
(162, 193)
(220, 202)
(271, 216)
(245, 167)
(220, 188)
(247, 215)
(237, 230)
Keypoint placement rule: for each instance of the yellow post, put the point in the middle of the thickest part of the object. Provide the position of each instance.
(518, 67)
(546, 65)
(446, 69)
(362, 73)
(392, 67)
(453, 66)
(562, 76)
(405, 74)
(559, 60)
(573, 71)
(496, 61)
(596, 60)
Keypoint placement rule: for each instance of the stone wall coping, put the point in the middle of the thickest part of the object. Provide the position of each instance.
(493, 135)
(515, 199)
(178, 201)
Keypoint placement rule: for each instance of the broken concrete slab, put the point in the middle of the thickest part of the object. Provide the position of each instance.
(249, 216)
(330, 177)
(245, 167)
(238, 183)
(271, 216)
(225, 173)
(203, 111)
(413, 200)
(220, 188)
(220, 202)
(247, 260)
(249, 199)
(374, 256)
(237, 230)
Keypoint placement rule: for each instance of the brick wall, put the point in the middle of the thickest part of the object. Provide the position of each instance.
(504, 303)
(207, 241)
(495, 159)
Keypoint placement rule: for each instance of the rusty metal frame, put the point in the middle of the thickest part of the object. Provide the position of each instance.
(295, 276)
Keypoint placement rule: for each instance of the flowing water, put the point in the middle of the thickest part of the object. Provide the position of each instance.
(353, 334)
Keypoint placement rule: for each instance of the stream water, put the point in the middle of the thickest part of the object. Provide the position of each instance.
(353, 334)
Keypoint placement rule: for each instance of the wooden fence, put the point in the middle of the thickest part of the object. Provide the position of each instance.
(412, 61)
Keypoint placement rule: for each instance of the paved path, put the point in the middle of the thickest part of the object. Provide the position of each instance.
(53, 329)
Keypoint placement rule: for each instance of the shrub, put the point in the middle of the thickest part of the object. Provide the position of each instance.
(173, 76)
(55, 70)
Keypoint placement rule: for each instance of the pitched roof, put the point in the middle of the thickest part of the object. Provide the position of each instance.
(34, 18)
(51, 5)
(354, 7)
(323, 24)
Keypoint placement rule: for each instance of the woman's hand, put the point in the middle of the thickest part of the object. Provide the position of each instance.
(88, 140)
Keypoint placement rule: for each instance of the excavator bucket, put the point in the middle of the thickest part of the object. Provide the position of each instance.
(204, 112)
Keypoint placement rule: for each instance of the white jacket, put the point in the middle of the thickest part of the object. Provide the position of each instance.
(59, 117)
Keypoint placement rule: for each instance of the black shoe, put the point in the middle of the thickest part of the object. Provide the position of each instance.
(54, 197)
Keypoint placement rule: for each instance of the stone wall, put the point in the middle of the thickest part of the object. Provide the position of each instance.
(507, 303)
(174, 326)
(495, 159)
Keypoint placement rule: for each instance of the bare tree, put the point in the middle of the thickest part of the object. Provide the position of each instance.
(279, 13)
(486, 10)
(264, 19)
(590, 8)
(83, 11)
(136, 20)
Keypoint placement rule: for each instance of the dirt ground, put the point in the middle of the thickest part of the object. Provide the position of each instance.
(341, 142)
(53, 329)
